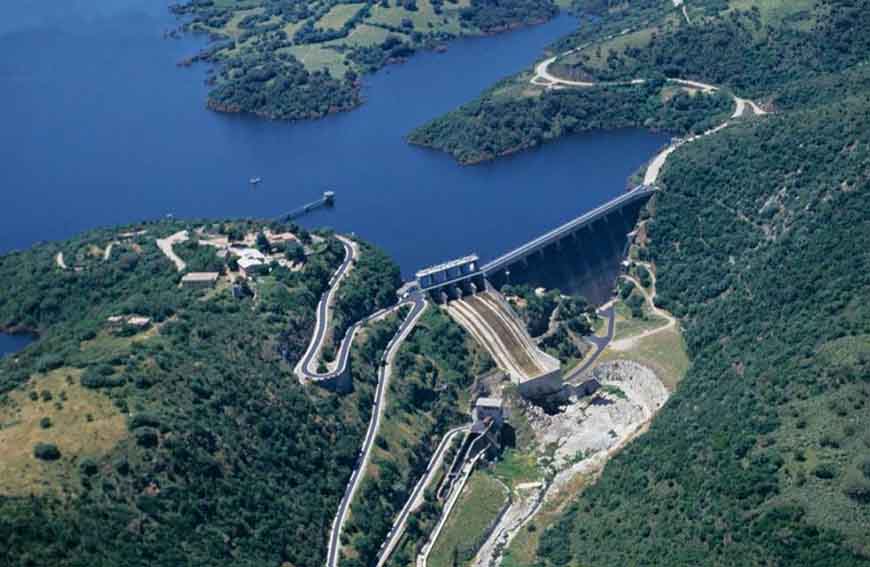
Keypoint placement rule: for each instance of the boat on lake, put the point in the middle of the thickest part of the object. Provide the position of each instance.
(255, 180)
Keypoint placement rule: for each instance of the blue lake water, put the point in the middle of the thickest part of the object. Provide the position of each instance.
(13, 343)
(100, 127)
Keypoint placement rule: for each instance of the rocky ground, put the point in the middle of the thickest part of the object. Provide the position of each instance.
(579, 440)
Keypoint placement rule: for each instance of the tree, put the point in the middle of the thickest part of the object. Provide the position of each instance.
(263, 243)
(46, 451)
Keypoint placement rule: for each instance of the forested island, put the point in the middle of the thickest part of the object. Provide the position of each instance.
(303, 59)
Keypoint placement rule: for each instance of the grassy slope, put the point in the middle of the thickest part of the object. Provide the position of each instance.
(482, 499)
(196, 448)
(428, 395)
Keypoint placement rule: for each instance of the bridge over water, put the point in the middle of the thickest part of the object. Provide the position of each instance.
(466, 274)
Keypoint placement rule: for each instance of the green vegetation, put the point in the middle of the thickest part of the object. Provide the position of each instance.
(572, 318)
(465, 531)
(498, 124)
(189, 441)
(757, 458)
(761, 455)
(298, 59)
(371, 285)
(427, 397)
(774, 53)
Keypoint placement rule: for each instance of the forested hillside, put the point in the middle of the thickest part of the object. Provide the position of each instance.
(186, 440)
(767, 51)
(760, 240)
(297, 59)
(763, 455)
(761, 243)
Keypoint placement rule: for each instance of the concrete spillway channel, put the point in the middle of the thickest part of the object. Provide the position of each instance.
(502, 335)
(485, 336)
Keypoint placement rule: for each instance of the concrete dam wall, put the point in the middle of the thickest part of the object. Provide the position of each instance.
(585, 263)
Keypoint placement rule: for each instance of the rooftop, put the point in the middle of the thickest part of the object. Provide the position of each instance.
(489, 402)
(200, 277)
(248, 253)
(249, 262)
(447, 265)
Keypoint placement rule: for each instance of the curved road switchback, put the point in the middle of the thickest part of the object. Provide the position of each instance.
(306, 368)
(418, 305)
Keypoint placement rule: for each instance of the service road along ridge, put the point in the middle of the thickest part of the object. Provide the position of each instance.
(418, 305)
(415, 500)
(544, 78)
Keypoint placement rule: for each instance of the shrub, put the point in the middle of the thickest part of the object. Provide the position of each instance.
(147, 437)
(825, 471)
(88, 466)
(46, 452)
(122, 465)
(45, 422)
(48, 362)
(97, 378)
(143, 420)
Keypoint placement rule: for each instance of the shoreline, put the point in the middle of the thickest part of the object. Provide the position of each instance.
(207, 55)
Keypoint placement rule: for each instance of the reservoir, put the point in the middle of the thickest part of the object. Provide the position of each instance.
(13, 343)
(101, 127)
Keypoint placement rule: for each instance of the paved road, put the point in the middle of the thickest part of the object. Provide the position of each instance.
(416, 497)
(599, 342)
(166, 244)
(452, 499)
(543, 78)
(418, 304)
(306, 368)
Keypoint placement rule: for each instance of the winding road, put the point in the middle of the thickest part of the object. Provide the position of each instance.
(418, 305)
(306, 368)
(544, 78)
(600, 343)
(629, 342)
(166, 244)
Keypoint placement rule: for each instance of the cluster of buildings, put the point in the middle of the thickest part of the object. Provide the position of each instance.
(251, 263)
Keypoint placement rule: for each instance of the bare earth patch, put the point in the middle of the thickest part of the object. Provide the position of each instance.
(74, 433)
(578, 442)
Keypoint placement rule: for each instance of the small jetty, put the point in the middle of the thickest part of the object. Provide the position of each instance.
(327, 200)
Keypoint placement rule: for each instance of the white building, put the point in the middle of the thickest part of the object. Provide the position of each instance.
(199, 279)
(250, 267)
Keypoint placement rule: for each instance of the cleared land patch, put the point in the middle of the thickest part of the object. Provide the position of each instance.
(481, 501)
(82, 423)
(338, 15)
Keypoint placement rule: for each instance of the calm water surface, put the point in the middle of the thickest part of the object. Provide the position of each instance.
(101, 127)
(13, 343)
